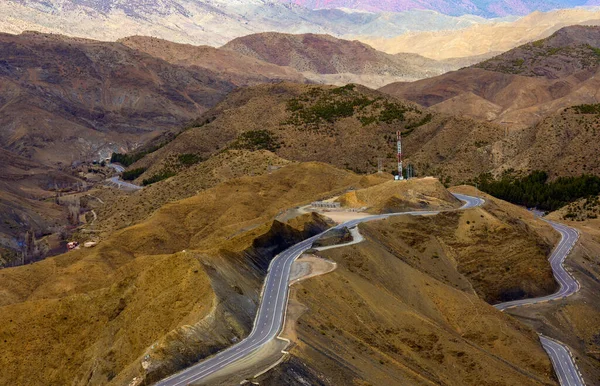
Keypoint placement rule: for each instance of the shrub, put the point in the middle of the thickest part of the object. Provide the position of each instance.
(188, 159)
(535, 190)
(131, 175)
(392, 112)
(256, 140)
(162, 175)
(587, 109)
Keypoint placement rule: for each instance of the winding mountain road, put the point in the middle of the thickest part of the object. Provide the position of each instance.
(119, 182)
(271, 312)
(563, 362)
(560, 355)
(568, 285)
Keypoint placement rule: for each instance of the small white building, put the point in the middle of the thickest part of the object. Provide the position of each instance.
(326, 205)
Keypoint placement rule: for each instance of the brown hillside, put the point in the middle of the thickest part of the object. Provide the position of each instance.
(320, 57)
(400, 309)
(121, 209)
(27, 204)
(564, 144)
(236, 68)
(395, 196)
(568, 51)
(96, 313)
(481, 39)
(349, 127)
(520, 87)
(575, 321)
(67, 99)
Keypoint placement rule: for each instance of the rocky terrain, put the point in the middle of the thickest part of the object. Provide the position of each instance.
(203, 258)
(449, 7)
(210, 22)
(232, 143)
(512, 89)
(332, 124)
(29, 211)
(241, 70)
(567, 52)
(70, 99)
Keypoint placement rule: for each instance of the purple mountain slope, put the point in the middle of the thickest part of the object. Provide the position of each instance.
(486, 8)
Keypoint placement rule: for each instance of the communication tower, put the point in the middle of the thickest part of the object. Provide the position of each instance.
(399, 176)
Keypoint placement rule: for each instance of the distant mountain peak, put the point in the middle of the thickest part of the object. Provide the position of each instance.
(484, 8)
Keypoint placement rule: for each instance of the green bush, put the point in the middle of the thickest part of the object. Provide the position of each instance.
(587, 109)
(163, 175)
(131, 175)
(188, 159)
(392, 112)
(256, 140)
(425, 120)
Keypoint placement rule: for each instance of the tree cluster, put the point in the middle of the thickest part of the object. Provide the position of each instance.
(535, 190)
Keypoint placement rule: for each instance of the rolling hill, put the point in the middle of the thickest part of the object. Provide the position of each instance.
(137, 300)
(353, 127)
(349, 127)
(520, 87)
(156, 296)
(485, 39)
(234, 67)
(69, 99)
(211, 22)
(326, 59)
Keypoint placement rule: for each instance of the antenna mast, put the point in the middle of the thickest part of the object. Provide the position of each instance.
(399, 177)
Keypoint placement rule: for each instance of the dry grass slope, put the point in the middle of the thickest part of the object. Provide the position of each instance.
(395, 196)
(400, 308)
(138, 294)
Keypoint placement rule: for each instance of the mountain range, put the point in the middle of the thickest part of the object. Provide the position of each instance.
(483, 8)
(329, 60)
(209, 22)
(483, 39)
(521, 87)
(227, 119)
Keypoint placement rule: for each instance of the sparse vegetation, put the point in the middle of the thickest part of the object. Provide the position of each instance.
(254, 140)
(318, 107)
(587, 109)
(162, 175)
(392, 112)
(188, 159)
(411, 127)
(584, 209)
(533, 56)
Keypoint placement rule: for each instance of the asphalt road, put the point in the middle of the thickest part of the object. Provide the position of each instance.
(562, 361)
(271, 312)
(119, 182)
(568, 285)
(117, 167)
(123, 184)
(560, 355)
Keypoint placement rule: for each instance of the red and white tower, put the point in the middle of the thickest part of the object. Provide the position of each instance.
(399, 176)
